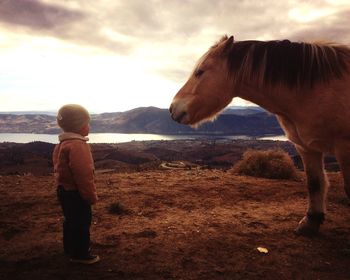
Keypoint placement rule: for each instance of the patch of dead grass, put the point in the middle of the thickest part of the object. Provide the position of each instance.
(271, 164)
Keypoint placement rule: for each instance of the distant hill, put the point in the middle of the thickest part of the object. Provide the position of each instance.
(243, 111)
(252, 121)
(28, 123)
(50, 113)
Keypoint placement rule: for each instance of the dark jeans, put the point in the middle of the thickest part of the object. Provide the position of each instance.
(76, 224)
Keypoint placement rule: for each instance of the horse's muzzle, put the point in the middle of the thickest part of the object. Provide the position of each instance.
(179, 116)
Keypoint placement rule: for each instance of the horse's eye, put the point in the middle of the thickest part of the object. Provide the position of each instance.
(198, 73)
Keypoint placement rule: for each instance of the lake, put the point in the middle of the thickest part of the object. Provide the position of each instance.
(274, 138)
(118, 137)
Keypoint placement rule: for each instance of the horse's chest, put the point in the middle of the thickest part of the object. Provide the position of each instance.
(306, 136)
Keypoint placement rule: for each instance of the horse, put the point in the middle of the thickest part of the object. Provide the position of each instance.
(305, 85)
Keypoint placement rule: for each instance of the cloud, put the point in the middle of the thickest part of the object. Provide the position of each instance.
(144, 50)
(334, 28)
(36, 15)
(174, 74)
(134, 23)
(76, 25)
(169, 36)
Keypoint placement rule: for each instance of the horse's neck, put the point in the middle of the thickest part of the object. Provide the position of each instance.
(274, 101)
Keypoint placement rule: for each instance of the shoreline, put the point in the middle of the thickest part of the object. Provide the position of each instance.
(101, 138)
(35, 157)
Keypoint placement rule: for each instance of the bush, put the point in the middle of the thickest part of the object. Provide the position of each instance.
(118, 208)
(272, 164)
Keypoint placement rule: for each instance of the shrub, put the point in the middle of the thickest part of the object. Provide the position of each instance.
(272, 164)
(117, 208)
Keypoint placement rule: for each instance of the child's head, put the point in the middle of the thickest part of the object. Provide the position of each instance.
(73, 118)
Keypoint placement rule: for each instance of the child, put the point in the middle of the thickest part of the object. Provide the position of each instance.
(74, 175)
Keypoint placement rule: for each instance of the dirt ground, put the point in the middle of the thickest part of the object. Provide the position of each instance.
(176, 224)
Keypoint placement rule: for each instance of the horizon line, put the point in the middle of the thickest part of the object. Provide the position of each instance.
(29, 112)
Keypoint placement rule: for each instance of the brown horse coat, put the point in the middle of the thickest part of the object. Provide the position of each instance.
(307, 86)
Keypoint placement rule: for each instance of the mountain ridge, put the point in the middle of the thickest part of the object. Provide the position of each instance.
(252, 121)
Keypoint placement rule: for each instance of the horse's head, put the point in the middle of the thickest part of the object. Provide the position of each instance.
(208, 89)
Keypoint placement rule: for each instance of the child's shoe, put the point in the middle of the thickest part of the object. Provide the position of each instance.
(89, 259)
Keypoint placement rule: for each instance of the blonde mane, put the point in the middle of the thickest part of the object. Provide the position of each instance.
(294, 64)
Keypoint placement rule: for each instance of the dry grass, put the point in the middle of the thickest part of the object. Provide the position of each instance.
(272, 164)
(117, 208)
(199, 224)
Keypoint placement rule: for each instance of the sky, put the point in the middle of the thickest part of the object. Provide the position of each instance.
(116, 55)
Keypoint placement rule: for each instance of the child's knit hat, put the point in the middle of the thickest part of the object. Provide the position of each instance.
(72, 117)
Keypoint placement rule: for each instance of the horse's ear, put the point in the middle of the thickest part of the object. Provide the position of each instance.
(228, 44)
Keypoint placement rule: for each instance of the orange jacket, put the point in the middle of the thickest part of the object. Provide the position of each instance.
(74, 166)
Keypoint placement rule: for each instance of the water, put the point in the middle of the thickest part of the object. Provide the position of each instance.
(120, 137)
(117, 137)
(93, 137)
(274, 138)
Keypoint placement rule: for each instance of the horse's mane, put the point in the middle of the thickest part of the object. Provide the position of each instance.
(295, 64)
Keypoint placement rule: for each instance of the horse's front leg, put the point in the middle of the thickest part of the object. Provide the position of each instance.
(317, 184)
(343, 157)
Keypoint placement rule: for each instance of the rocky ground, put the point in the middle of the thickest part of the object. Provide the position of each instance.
(170, 211)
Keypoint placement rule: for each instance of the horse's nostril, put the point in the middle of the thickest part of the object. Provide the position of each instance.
(171, 108)
(180, 117)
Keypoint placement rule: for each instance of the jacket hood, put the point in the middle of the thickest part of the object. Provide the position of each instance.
(71, 135)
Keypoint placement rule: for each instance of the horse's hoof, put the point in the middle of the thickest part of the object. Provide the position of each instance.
(308, 227)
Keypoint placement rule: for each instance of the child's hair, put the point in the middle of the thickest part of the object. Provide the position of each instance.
(72, 117)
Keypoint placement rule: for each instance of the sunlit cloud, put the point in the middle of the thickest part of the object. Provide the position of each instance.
(118, 55)
(306, 13)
